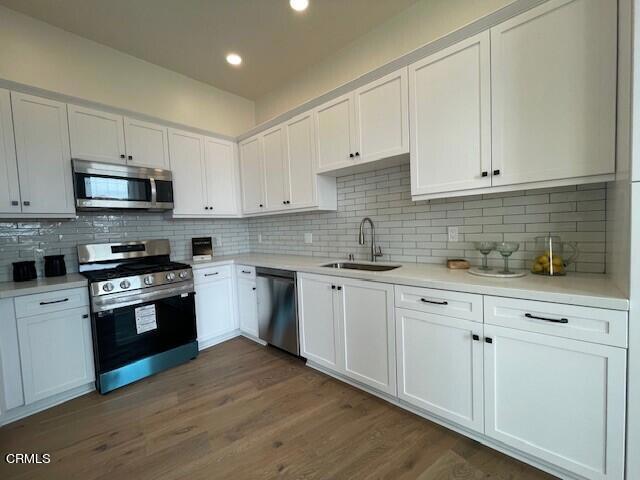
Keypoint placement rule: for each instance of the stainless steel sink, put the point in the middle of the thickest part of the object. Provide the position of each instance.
(361, 266)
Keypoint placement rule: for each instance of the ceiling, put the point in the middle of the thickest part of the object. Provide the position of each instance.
(192, 37)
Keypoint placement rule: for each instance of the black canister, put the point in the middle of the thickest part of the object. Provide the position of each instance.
(54, 266)
(24, 271)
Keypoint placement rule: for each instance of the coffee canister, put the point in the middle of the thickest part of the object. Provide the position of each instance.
(24, 271)
(54, 266)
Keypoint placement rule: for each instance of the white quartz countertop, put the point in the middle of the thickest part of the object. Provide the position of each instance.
(41, 285)
(584, 289)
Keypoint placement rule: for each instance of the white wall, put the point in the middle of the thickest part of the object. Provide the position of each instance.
(418, 25)
(37, 54)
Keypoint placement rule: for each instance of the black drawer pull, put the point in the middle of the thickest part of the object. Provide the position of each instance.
(246, 271)
(54, 301)
(553, 320)
(210, 274)
(444, 302)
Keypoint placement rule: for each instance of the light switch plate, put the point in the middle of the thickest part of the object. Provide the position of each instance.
(453, 234)
(308, 237)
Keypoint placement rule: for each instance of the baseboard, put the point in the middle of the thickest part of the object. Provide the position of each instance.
(27, 410)
(254, 339)
(210, 342)
(483, 439)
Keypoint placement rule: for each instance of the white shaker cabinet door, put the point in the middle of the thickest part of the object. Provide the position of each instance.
(382, 118)
(367, 333)
(553, 87)
(222, 176)
(44, 158)
(335, 134)
(56, 352)
(9, 188)
(440, 366)
(248, 306)
(557, 399)
(301, 185)
(450, 101)
(95, 135)
(147, 144)
(273, 151)
(318, 324)
(189, 183)
(215, 312)
(251, 174)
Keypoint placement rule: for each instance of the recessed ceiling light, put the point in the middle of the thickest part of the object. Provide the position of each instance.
(234, 59)
(299, 5)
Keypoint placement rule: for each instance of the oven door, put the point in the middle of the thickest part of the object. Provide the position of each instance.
(128, 334)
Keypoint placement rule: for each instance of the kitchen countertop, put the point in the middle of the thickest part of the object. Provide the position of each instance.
(41, 285)
(584, 289)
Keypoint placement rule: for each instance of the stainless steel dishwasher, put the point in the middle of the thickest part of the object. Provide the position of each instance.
(278, 308)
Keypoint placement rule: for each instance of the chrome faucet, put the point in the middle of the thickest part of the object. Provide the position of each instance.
(375, 252)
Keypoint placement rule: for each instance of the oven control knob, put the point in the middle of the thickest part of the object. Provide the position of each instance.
(148, 280)
(125, 284)
(107, 287)
(170, 276)
(183, 274)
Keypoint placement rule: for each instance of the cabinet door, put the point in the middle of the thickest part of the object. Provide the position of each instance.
(273, 149)
(44, 158)
(221, 175)
(214, 310)
(56, 352)
(251, 176)
(335, 134)
(450, 101)
(187, 160)
(560, 400)
(554, 92)
(382, 118)
(367, 333)
(11, 393)
(301, 162)
(96, 135)
(440, 366)
(147, 144)
(318, 324)
(248, 306)
(9, 189)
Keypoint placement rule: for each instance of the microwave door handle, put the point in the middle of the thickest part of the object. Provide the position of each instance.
(154, 192)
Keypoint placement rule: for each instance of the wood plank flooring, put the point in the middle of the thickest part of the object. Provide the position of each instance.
(243, 411)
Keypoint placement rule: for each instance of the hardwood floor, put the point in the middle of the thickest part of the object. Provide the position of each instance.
(243, 411)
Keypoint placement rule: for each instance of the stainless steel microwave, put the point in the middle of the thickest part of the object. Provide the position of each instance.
(100, 185)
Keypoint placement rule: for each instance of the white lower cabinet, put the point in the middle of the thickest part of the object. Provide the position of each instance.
(348, 326)
(215, 305)
(557, 399)
(440, 366)
(247, 300)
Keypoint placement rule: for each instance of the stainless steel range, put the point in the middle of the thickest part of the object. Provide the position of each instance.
(142, 310)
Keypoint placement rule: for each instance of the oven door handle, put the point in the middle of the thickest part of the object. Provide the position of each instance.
(101, 304)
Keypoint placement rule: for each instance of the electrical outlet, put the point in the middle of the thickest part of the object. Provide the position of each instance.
(308, 237)
(453, 234)
(259, 238)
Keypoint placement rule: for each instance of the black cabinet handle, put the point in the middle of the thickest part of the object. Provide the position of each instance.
(122, 155)
(444, 302)
(475, 337)
(357, 154)
(484, 174)
(339, 288)
(253, 288)
(130, 157)
(553, 320)
(351, 155)
(333, 287)
(496, 172)
(86, 315)
(26, 203)
(245, 271)
(287, 202)
(261, 205)
(210, 274)
(54, 301)
(15, 203)
(488, 339)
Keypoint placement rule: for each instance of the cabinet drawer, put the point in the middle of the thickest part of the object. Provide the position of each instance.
(244, 271)
(209, 274)
(441, 302)
(608, 327)
(51, 302)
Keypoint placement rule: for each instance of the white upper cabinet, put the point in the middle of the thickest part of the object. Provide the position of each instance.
(147, 144)
(221, 172)
(251, 173)
(335, 133)
(44, 158)
(301, 186)
(96, 135)
(382, 118)
(189, 188)
(554, 92)
(273, 151)
(560, 400)
(450, 101)
(9, 188)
